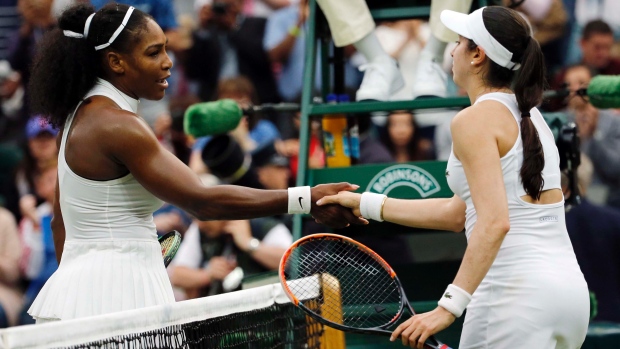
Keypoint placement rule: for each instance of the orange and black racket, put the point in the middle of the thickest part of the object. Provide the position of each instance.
(345, 285)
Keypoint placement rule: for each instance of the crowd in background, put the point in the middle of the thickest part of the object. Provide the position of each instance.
(253, 51)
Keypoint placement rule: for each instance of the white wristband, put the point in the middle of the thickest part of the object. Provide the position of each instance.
(371, 205)
(455, 300)
(299, 200)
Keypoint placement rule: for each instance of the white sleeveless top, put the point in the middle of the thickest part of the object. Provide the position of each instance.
(537, 239)
(111, 259)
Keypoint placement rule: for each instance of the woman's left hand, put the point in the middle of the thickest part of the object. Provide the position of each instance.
(415, 331)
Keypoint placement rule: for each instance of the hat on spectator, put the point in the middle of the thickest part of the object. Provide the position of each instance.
(37, 125)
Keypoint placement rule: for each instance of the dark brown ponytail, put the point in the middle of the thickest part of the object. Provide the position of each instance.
(513, 32)
(528, 89)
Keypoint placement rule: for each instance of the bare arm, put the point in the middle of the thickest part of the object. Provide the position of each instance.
(476, 146)
(188, 278)
(282, 51)
(268, 256)
(58, 224)
(132, 143)
(440, 214)
(477, 132)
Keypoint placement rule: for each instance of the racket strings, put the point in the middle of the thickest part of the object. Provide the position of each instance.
(369, 296)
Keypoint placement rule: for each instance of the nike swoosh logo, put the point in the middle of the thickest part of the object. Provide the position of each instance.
(300, 205)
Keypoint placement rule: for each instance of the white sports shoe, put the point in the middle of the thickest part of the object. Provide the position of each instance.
(382, 78)
(431, 79)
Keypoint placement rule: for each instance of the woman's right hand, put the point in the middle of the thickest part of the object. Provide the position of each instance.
(344, 198)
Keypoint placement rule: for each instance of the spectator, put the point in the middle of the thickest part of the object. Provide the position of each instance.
(211, 250)
(251, 133)
(599, 131)
(595, 234)
(37, 19)
(226, 45)
(12, 108)
(404, 40)
(403, 141)
(39, 259)
(41, 152)
(285, 42)
(549, 21)
(596, 43)
(272, 168)
(9, 24)
(290, 147)
(10, 253)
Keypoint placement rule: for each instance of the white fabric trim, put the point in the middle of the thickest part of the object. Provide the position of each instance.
(455, 300)
(70, 34)
(87, 24)
(472, 27)
(299, 200)
(118, 30)
(370, 205)
(73, 34)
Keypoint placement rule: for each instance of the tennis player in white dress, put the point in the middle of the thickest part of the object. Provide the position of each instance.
(519, 279)
(113, 173)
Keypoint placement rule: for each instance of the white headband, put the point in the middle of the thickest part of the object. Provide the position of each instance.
(472, 27)
(118, 31)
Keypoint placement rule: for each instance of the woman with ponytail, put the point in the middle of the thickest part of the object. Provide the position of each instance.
(88, 77)
(519, 279)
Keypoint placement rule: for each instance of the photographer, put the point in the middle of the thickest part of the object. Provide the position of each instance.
(211, 250)
(599, 132)
(226, 45)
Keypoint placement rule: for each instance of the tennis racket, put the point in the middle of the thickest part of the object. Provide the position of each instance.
(170, 243)
(345, 285)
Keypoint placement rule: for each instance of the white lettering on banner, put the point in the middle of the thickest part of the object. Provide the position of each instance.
(404, 175)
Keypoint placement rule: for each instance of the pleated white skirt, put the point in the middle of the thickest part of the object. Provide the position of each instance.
(100, 277)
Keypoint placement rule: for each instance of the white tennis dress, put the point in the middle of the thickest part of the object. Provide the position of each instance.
(112, 260)
(534, 295)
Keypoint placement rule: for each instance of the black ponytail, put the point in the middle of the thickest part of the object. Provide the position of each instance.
(66, 68)
(513, 32)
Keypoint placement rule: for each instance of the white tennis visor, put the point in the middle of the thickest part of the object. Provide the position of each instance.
(472, 27)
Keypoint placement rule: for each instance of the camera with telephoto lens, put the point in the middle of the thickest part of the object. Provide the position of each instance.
(570, 158)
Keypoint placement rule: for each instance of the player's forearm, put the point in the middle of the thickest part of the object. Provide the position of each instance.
(440, 214)
(482, 248)
(230, 202)
(185, 277)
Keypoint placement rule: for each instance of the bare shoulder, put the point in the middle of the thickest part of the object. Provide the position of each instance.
(484, 116)
(118, 127)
